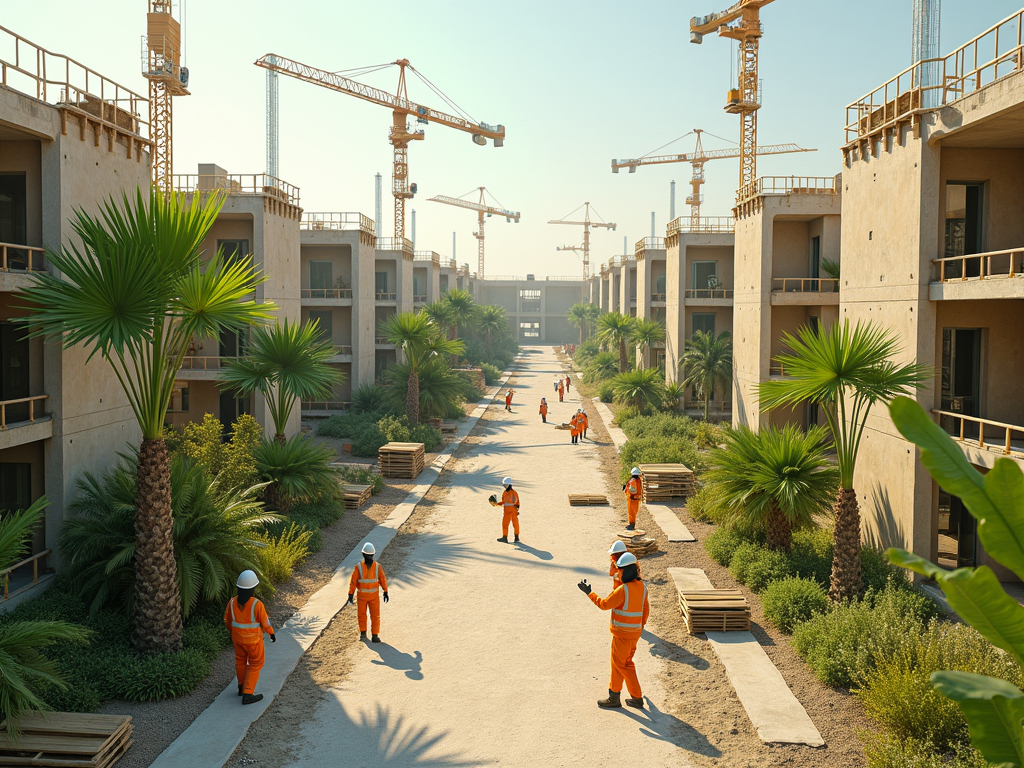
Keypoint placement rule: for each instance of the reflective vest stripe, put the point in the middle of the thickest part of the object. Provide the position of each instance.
(253, 624)
(374, 581)
(635, 618)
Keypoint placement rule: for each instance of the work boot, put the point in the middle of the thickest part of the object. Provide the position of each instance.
(362, 635)
(638, 703)
(239, 689)
(252, 698)
(612, 702)
(517, 538)
(376, 639)
(503, 539)
(631, 527)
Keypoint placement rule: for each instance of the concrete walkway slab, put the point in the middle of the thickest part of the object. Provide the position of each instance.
(670, 523)
(773, 710)
(617, 435)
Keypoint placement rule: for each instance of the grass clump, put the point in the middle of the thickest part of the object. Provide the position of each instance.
(792, 601)
(280, 554)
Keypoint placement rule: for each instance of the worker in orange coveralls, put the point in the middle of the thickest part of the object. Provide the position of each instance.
(508, 400)
(246, 620)
(574, 428)
(561, 391)
(567, 380)
(584, 423)
(368, 581)
(630, 609)
(634, 491)
(510, 510)
(544, 410)
(617, 550)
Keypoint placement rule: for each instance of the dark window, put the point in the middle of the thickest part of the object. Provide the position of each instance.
(381, 282)
(15, 486)
(961, 377)
(179, 399)
(815, 261)
(229, 343)
(233, 249)
(963, 226)
(704, 321)
(13, 207)
(321, 275)
(325, 321)
(14, 373)
(703, 271)
(957, 544)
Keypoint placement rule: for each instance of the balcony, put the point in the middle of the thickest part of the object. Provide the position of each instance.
(325, 407)
(648, 244)
(336, 221)
(24, 420)
(385, 296)
(658, 298)
(419, 298)
(704, 225)
(983, 440)
(342, 353)
(805, 291)
(239, 184)
(708, 297)
(428, 256)
(776, 370)
(16, 261)
(381, 341)
(991, 275)
(202, 367)
(328, 296)
(395, 244)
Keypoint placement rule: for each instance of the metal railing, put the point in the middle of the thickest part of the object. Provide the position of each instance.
(394, 244)
(788, 185)
(419, 298)
(965, 433)
(65, 83)
(805, 284)
(325, 293)
(707, 293)
(658, 297)
(618, 261)
(5, 404)
(649, 244)
(382, 341)
(383, 296)
(564, 279)
(981, 266)
(22, 258)
(506, 278)
(776, 369)
(204, 362)
(325, 405)
(5, 574)
(260, 184)
(344, 221)
(430, 256)
(990, 56)
(706, 225)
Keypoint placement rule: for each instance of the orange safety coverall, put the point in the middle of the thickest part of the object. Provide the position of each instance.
(634, 492)
(630, 609)
(508, 398)
(561, 390)
(247, 625)
(566, 383)
(584, 422)
(574, 426)
(510, 505)
(367, 584)
(544, 411)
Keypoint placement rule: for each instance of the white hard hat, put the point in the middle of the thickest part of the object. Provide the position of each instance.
(617, 547)
(635, 471)
(247, 580)
(627, 559)
(506, 481)
(368, 549)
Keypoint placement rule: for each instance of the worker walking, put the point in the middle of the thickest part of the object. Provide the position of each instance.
(561, 391)
(567, 380)
(630, 608)
(510, 510)
(368, 582)
(246, 620)
(574, 428)
(584, 423)
(544, 410)
(634, 491)
(508, 400)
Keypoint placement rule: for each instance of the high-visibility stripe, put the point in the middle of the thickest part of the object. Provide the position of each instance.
(375, 581)
(253, 624)
(632, 616)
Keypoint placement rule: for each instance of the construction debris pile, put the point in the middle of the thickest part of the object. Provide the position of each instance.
(639, 543)
(403, 460)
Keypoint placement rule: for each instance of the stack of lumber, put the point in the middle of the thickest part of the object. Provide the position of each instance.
(355, 495)
(639, 543)
(64, 739)
(714, 610)
(401, 459)
(665, 481)
(587, 499)
(449, 427)
(563, 425)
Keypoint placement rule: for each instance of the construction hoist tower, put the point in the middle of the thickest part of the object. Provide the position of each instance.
(740, 22)
(587, 224)
(924, 47)
(482, 210)
(161, 65)
(273, 145)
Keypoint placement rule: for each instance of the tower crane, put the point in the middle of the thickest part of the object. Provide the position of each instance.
(161, 66)
(697, 158)
(482, 209)
(740, 22)
(401, 110)
(586, 224)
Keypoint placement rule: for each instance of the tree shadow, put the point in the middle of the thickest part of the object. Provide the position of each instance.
(410, 663)
(662, 726)
(665, 649)
(540, 554)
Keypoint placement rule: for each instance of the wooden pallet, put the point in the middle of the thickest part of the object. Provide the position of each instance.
(449, 427)
(714, 610)
(628, 536)
(564, 425)
(642, 547)
(662, 482)
(355, 495)
(401, 459)
(67, 740)
(587, 499)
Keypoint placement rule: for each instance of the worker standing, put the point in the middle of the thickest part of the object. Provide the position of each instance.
(574, 428)
(634, 491)
(555, 383)
(567, 380)
(510, 510)
(508, 400)
(561, 391)
(368, 581)
(617, 550)
(246, 620)
(584, 423)
(544, 410)
(630, 608)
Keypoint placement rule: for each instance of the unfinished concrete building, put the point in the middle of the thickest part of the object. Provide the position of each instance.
(426, 278)
(933, 248)
(651, 294)
(537, 310)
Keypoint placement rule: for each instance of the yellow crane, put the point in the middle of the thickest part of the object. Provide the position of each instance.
(161, 66)
(587, 224)
(697, 158)
(401, 110)
(482, 210)
(740, 22)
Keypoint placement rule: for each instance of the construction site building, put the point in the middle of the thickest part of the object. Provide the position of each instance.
(933, 249)
(426, 278)
(651, 294)
(537, 310)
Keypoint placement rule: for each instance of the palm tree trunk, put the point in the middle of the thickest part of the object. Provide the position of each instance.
(157, 599)
(623, 363)
(280, 438)
(846, 576)
(778, 530)
(412, 398)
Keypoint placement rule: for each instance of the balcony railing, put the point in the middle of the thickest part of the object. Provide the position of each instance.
(710, 225)
(5, 574)
(342, 349)
(419, 298)
(776, 369)
(21, 258)
(204, 362)
(434, 258)
(564, 279)
(618, 261)
(971, 429)
(708, 293)
(981, 266)
(649, 244)
(992, 55)
(658, 297)
(383, 296)
(326, 293)
(805, 284)
(382, 342)
(787, 185)
(258, 184)
(325, 405)
(18, 412)
(394, 244)
(344, 221)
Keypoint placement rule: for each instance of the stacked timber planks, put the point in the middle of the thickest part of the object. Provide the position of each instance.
(449, 427)
(666, 481)
(638, 543)
(355, 495)
(401, 459)
(587, 499)
(66, 740)
(714, 610)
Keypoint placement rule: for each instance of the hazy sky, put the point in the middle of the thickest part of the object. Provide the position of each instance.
(575, 84)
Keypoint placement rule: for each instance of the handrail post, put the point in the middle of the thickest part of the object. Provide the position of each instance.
(31, 410)
(961, 429)
(981, 434)
(1007, 446)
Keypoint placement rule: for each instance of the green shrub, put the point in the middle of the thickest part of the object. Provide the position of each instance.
(231, 461)
(606, 392)
(492, 374)
(701, 505)
(878, 572)
(297, 471)
(282, 553)
(320, 512)
(811, 555)
(886, 751)
(708, 435)
(207, 637)
(316, 539)
(792, 601)
(394, 429)
(661, 425)
(361, 476)
(165, 676)
(757, 567)
(654, 450)
(722, 544)
(369, 398)
(424, 433)
(625, 413)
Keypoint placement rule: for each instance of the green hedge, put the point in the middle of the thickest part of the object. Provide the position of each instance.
(792, 601)
(369, 431)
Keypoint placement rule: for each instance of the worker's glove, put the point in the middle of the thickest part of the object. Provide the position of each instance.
(352, 598)
(623, 486)
(273, 638)
(385, 597)
(584, 587)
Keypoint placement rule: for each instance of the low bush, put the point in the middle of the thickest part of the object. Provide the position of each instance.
(655, 450)
(231, 461)
(369, 398)
(701, 505)
(625, 414)
(877, 572)
(298, 470)
(708, 435)
(757, 567)
(722, 544)
(661, 425)
(394, 429)
(811, 555)
(361, 476)
(426, 434)
(492, 374)
(886, 751)
(165, 676)
(280, 554)
(606, 392)
(792, 601)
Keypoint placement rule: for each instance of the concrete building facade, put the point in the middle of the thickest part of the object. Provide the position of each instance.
(537, 310)
(651, 294)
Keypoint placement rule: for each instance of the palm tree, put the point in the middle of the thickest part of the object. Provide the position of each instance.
(462, 307)
(646, 333)
(846, 371)
(284, 363)
(491, 321)
(614, 329)
(440, 313)
(602, 366)
(420, 340)
(643, 388)
(583, 315)
(707, 361)
(778, 478)
(136, 292)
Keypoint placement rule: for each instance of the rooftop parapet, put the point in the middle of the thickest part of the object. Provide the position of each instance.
(709, 225)
(648, 244)
(749, 197)
(335, 220)
(402, 244)
(252, 184)
(430, 256)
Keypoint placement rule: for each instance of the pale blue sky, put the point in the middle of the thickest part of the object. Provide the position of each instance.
(575, 84)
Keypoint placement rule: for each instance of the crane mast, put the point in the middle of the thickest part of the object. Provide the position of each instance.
(587, 224)
(482, 209)
(161, 66)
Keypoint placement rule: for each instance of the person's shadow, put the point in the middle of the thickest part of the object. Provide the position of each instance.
(540, 554)
(391, 657)
(662, 726)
